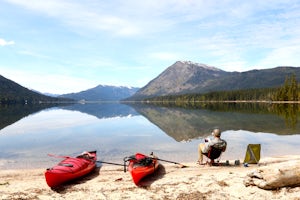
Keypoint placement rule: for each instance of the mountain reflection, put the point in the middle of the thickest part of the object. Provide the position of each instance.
(186, 122)
(9, 114)
(103, 110)
(190, 122)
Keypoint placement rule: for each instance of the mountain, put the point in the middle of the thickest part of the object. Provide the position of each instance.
(185, 77)
(11, 93)
(102, 93)
(46, 93)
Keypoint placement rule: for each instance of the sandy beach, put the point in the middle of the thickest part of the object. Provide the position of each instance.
(169, 182)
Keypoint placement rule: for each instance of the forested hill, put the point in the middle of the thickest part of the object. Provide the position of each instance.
(185, 77)
(11, 93)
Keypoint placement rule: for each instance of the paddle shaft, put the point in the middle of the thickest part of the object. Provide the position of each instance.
(169, 161)
(110, 163)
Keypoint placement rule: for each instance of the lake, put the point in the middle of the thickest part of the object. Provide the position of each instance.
(29, 133)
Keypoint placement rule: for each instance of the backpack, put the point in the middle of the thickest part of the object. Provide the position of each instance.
(221, 144)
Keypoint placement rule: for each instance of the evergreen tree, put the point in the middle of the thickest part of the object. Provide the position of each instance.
(289, 91)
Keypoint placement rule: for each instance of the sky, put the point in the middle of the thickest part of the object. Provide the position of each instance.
(64, 46)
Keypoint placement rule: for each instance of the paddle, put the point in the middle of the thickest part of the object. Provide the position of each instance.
(56, 156)
(124, 165)
(109, 163)
(180, 165)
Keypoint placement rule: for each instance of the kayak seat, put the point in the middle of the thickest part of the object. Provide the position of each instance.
(86, 155)
(144, 161)
(139, 160)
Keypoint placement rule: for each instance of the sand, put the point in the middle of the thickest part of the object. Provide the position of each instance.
(169, 182)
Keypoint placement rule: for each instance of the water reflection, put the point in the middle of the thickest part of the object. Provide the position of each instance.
(103, 110)
(185, 123)
(290, 112)
(66, 132)
(118, 130)
(9, 114)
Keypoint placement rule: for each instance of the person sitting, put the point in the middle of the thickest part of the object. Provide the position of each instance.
(216, 142)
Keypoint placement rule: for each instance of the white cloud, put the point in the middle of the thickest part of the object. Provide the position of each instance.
(80, 15)
(238, 65)
(166, 56)
(231, 35)
(33, 54)
(134, 17)
(283, 56)
(127, 18)
(50, 83)
(6, 43)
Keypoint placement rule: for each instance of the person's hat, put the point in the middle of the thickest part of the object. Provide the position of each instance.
(216, 132)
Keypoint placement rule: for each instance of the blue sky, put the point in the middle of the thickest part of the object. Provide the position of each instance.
(63, 46)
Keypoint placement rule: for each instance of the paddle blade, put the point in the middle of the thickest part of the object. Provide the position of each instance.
(181, 165)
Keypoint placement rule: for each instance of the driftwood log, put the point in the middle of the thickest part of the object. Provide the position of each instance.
(286, 174)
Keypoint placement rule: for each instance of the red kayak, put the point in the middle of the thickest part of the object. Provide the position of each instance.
(71, 168)
(140, 166)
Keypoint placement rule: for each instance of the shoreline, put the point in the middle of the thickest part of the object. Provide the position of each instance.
(168, 182)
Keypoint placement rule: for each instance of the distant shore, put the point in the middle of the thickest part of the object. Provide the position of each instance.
(169, 182)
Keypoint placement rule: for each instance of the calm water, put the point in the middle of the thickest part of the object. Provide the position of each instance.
(115, 130)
